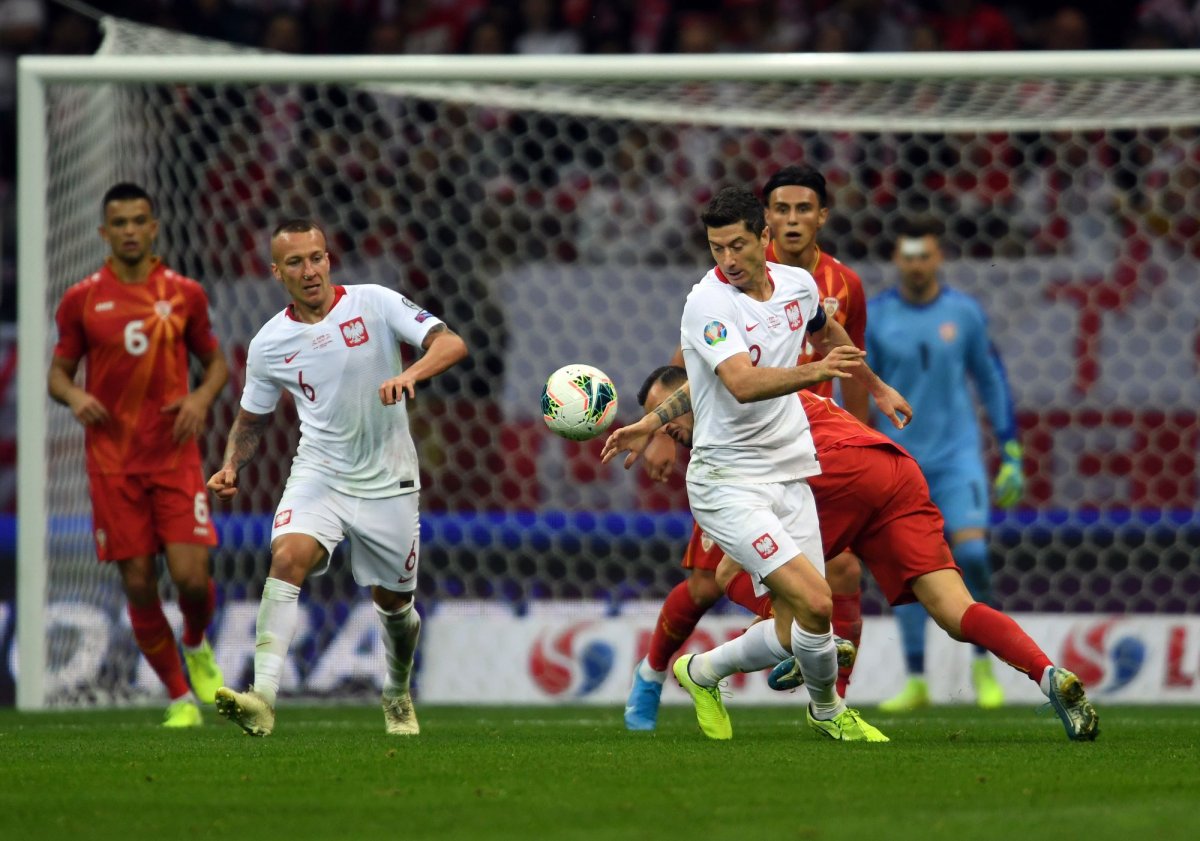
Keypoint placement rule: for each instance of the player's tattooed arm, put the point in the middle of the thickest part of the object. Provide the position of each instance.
(244, 438)
(634, 438)
(432, 332)
(678, 404)
(443, 349)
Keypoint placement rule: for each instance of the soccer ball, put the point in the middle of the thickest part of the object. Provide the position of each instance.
(579, 402)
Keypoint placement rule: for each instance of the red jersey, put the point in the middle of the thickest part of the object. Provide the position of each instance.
(833, 427)
(841, 292)
(136, 337)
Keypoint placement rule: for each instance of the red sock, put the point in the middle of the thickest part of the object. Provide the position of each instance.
(847, 624)
(197, 614)
(157, 642)
(741, 591)
(676, 621)
(1003, 637)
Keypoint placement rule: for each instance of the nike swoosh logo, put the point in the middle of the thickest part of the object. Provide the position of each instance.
(404, 580)
(288, 359)
(750, 327)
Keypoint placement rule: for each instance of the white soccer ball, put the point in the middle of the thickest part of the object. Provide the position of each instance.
(579, 402)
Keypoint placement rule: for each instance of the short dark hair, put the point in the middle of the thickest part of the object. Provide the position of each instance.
(125, 191)
(732, 205)
(917, 227)
(796, 175)
(671, 376)
(297, 225)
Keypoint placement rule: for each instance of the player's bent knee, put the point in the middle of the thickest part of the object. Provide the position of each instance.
(821, 608)
(727, 570)
(844, 573)
(390, 600)
(813, 610)
(950, 623)
(804, 589)
(293, 556)
(139, 580)
(703, 588)
(946, 598)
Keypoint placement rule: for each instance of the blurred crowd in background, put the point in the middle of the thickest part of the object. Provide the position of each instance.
(65, 27)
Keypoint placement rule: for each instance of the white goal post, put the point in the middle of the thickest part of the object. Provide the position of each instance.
(901, 102)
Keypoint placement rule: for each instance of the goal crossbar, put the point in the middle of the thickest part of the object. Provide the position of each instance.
(664, 68)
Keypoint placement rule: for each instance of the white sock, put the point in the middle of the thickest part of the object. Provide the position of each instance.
(817, 656)
(756, 649)
(278, 613)
(646, 673)
(401, 630)
(1044, 682)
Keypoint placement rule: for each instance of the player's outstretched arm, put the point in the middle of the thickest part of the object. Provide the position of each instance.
(61, 385)
(192, 409)
(630, 439)
(443, 349)
(244, 438)
(749, 383)
(634, 438)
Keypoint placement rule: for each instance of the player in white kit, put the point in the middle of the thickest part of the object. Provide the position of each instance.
(744, 328)
(336, 349)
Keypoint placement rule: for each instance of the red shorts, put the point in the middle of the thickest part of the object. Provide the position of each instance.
(875, 502)
(141, 513)
(702, 552)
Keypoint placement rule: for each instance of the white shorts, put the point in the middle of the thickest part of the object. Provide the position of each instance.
(385, 533)
(762, 527)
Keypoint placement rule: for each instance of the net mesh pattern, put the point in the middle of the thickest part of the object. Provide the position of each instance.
(551, 224)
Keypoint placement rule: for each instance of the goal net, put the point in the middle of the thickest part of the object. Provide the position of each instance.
(555, 220)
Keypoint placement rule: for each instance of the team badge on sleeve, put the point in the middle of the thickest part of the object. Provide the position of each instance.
(354, 332)
(714, 333)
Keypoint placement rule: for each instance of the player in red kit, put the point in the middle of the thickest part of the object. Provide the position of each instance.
(872, 497)
(136, 321)
(796, 204)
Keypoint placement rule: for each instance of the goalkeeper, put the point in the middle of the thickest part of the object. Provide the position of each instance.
(928, 340)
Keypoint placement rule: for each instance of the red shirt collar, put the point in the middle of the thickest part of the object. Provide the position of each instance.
(339, 292)
(772, 258)
(156, 267)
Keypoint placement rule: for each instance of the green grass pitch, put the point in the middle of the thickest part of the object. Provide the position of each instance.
(575, 773)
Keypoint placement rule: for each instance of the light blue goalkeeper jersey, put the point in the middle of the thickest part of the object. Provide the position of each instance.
(928, 352)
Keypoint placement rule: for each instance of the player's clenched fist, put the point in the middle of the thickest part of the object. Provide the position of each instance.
(224, 482)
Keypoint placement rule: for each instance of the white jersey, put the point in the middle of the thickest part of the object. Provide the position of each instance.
(333, 369)
(750, 443)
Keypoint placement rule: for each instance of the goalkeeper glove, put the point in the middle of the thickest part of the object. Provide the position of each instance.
(1010, 479)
